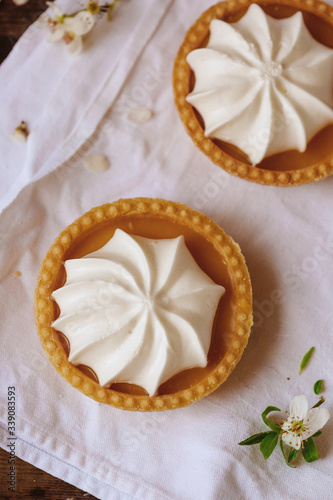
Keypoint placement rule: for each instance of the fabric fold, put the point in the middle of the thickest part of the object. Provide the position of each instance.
(63, 99)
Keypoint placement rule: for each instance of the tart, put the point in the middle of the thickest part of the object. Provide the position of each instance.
(221, 119)
(143, 223)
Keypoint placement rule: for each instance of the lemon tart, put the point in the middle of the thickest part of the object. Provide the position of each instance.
(144, 304)
(253, 87)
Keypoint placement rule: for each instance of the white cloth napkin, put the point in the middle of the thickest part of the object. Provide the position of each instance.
(285, 234)
(63, 99)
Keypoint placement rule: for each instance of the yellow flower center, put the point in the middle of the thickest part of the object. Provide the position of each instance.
(93, 8)
(298, 427)
(61, 19)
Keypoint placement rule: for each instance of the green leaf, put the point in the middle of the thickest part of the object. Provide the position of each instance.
(268, 444)
(255, 439)
(317, 434)
(306, 359)
(274, 427)
(320, 402)
(284, 455)
(318, 386)
(292, 454)
(309, 450)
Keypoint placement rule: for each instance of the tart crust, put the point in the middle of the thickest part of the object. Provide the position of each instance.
(150, 210)
(312, 167)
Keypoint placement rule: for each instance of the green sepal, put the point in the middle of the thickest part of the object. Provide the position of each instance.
(111, 9)
(268, 444)
(271, 425)
(292, 455)
(255, 439)
(317, 388)
(320, 402)
(306, 359)
(284, 456)
(317, 434)
(309, 450)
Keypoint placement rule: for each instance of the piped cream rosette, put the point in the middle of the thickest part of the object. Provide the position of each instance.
(137, 311)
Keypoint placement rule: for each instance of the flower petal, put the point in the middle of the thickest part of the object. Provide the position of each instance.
(43, 22)
(81, 23)
(299, 407)
(316, 419)
(19, 135)
(292, 440)
(75, 47)
(56, 34)
(56, 10)
(287, 424)
(296, 442)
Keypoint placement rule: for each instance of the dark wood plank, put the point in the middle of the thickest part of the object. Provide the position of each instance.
(6, 45)
(15, 20)
(31, 483)
(34, 484)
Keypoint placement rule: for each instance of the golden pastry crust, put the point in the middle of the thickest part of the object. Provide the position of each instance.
(162, 210)
(182, 78)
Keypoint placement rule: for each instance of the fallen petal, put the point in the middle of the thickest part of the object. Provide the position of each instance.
(139, 114)
(21, 133)
(19, 136)
(96, 163)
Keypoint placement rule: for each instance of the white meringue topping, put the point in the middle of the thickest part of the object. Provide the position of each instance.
(137, 310)
(263, 84)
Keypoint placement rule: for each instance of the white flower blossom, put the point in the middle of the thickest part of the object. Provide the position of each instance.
(301, 423)
(68, 29)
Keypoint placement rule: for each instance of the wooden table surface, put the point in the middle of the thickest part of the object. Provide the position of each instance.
(35, 484)
(31, 483)
(15, 20)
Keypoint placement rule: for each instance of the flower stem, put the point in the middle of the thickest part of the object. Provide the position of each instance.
(111, 9)
(320, 402)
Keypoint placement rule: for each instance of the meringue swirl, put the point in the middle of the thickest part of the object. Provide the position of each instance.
(137, 310)
(263, 84)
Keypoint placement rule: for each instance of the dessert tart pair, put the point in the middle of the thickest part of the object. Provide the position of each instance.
(144, 304)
